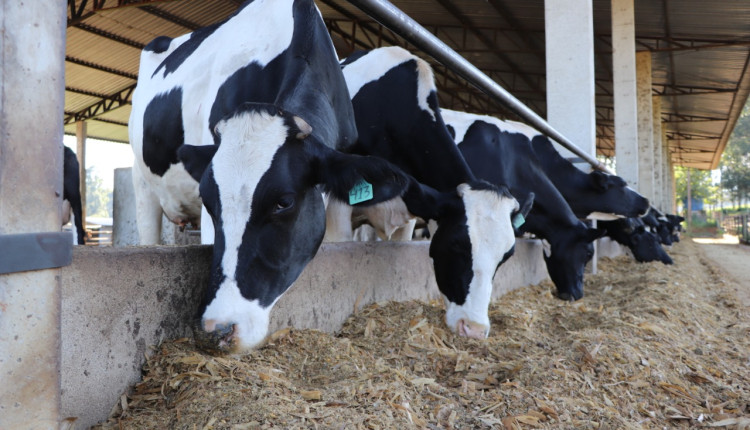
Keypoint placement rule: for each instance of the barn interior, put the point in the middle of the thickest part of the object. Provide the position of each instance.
(697, 54)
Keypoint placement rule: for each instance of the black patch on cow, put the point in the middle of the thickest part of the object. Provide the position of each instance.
(182, 52)
(162, 131)
(451, 131)
(72, 190)
(158, 45)
(393, 126)
(450, 250)
(354, 56)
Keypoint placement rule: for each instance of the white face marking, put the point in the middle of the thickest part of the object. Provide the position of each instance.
(250, 318)
(461, 121)
(547, 248)
(376, 63)
(602, 216)
(491, 235)
(249, 142)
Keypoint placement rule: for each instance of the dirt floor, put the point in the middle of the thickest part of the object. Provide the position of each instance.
(732, 258)
(649, 346)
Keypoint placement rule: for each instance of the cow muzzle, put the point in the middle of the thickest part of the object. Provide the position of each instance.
(216, 338)
(474, 330)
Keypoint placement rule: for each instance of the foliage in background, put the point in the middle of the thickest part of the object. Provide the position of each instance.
(735, 162)
(98, 198)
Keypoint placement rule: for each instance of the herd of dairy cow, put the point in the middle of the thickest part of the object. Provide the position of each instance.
(255, 119)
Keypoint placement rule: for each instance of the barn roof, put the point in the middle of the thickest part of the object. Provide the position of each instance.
(701, 55)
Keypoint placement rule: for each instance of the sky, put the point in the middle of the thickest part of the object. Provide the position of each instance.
(104, 157)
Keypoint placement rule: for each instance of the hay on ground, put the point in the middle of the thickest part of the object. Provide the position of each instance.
(650, 346)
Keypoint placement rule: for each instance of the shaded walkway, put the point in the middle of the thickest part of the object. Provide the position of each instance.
(733, 258)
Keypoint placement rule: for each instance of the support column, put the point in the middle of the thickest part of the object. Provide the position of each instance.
(624, 85)
(658, 196)
(569, 38)
(81, 134)
(645, 124)
(666, 167)
(571, 108)
(32, 82)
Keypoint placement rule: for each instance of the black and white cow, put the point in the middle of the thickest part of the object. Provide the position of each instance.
(397, 115)
(501, 153)
(643, 244)
(594, 195)
(72, 195)
(247, 117)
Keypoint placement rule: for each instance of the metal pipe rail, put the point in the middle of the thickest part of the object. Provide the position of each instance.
(400, 23)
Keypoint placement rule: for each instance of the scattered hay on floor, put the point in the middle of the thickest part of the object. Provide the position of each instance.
(650, 346)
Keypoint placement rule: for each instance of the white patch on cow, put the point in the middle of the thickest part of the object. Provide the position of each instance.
(207, 227)
(248, 316)
(546, 248)
(602, 216)
(491, 235)
(249, 142)
(461, 121)
(200, 77)
(376, 63)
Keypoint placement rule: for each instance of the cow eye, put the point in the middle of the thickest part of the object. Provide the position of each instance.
(284, 204)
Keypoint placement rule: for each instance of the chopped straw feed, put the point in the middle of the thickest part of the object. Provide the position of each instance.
(650, 346)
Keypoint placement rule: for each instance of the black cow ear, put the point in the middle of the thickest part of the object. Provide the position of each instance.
(599, 180)
(595, 233)
(196, 158)
(359, 180)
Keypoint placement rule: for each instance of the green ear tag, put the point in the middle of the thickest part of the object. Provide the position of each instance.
(360, 192)
(518, 220)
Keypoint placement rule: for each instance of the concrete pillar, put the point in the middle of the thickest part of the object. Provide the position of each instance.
(645, 124)
(672, 187)
(124, 227)
(81, 134)
(666, 167)
(658, 198)
(624, 86)
(32, 94)
(569, 38)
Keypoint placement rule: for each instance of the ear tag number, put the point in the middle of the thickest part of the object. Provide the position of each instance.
(360, 192)
(518, 220)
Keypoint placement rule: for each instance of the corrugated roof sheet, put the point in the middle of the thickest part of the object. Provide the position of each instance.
(701, 52)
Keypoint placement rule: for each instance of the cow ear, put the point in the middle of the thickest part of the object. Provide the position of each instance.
(196, 158)
(518, 217)
(599, 180)
(359, 180)
(595, 233)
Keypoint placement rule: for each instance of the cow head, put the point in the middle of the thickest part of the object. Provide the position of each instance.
(610, 194)
(645, 247)
(259, 186)
(566, 256)
(473, 238)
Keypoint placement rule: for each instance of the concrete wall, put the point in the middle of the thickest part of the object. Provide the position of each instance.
(119, 301)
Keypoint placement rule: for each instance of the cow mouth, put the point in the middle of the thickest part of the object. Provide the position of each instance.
(215, 338)
(568, 297)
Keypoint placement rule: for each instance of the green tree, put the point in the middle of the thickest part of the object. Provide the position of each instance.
(735, 162)
(700, 185)
(98, 198)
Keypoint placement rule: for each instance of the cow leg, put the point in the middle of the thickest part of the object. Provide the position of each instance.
(148, 210)
(338, 221)
(207, 227)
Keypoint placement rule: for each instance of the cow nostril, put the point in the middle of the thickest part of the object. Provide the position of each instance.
(215, 337)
